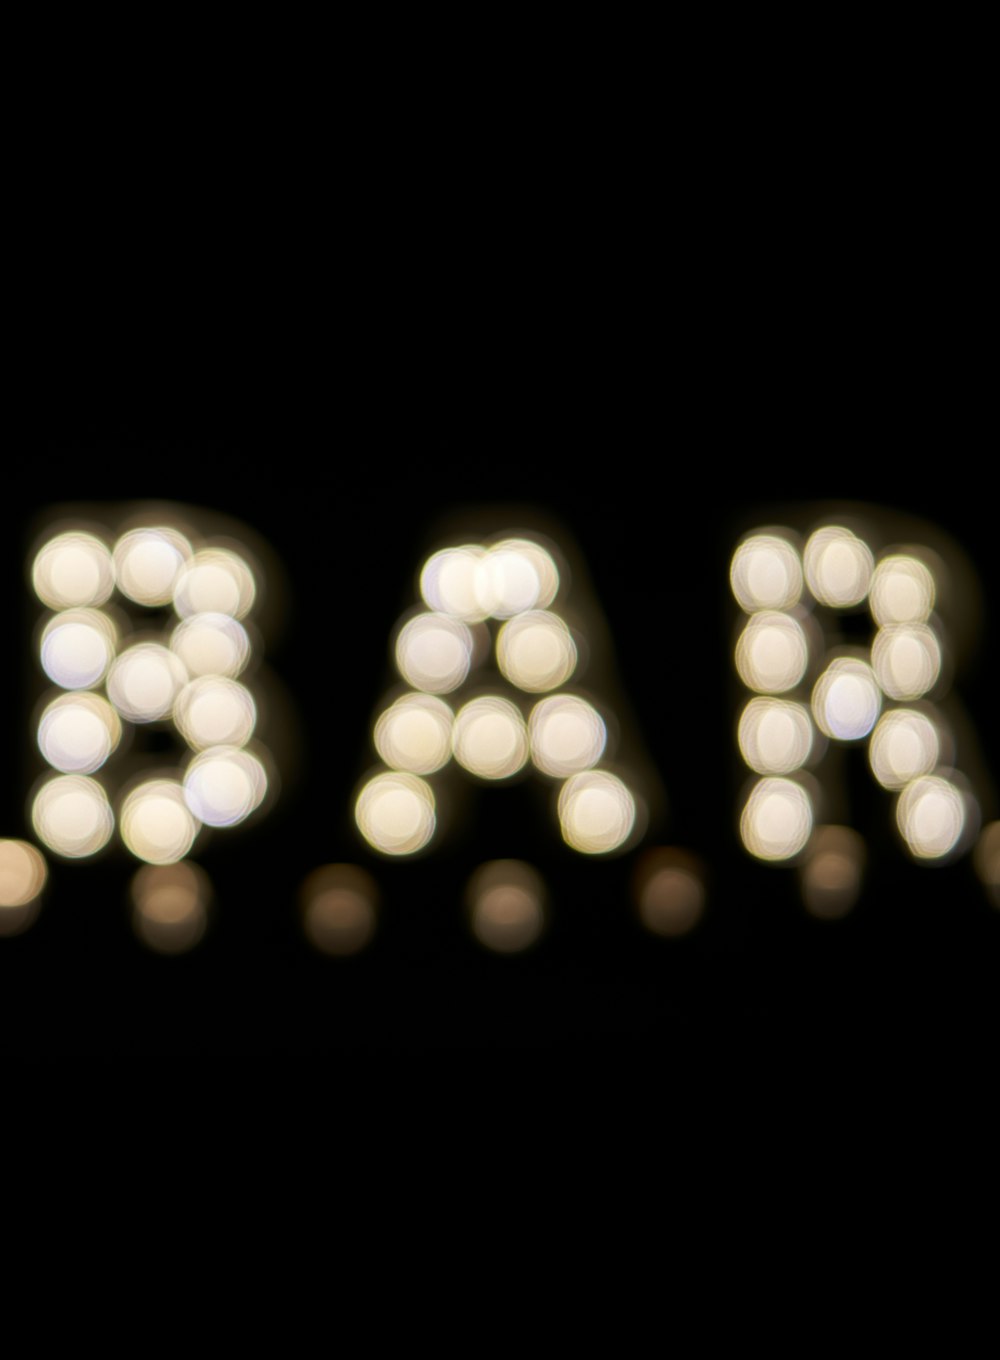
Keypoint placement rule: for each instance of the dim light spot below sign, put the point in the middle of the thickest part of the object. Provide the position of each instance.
(153, 623)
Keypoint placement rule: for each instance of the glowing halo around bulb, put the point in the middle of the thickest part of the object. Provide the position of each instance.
(211, 644)
(536, 651)
(838, 567)
(339, 904)
(490, 738)
(766, 573)
(521, 575)
(772, 652)
(506, 903)
(23, 875)
(395, 812)
(78, 732)
(73, 570)
(597, 812)
(434, 653)
(775, 735)
(846, 700)
(72, 816)
(931, 815)
(156, 823)
(414, 734)
(777, 819)
(170, 906)
(568, 735)
(78, 647)
(831, 873)
(215, 581)
(224, 785)
(148, 562)
(473, 583)
(449, 583)
(902, 591)
(904, 745)
(906, 660)
(669, 891)
(144, 682)
(214, 711)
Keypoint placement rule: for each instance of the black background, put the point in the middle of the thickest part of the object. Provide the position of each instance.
(655, 379)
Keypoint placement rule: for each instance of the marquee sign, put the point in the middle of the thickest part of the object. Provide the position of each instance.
(149, 721)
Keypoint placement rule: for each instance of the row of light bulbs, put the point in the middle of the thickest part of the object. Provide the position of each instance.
(481, 604)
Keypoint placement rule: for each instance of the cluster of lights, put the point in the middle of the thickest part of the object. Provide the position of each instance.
(879, 694)
(180, 671)
(483, 606)
(491, 602)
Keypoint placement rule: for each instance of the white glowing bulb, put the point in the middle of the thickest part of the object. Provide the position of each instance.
(766, 573)
(846, 700)
(73, 570)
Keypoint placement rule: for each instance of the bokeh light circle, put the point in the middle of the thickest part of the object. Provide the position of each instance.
(23, 875)
(148, 562)
(902, 591)
(931, 815)
(71, 815)
(766, 573)
(775, 735)
(414, 734)
(211, 644)
(904, 745)
(434, 653)
(987, 861)
(395, 812)
(597, 812)
(831, 875)
(568, 735)
(224, 785)
(156, 823)
(73, 570)
(77, 648)
(170, 906)
(339, 904)
(906, 660)
(846, 700)
(777, 819)
(772, 652)
(215, 711)
(536, 651)
(78, 732)
(449, 583)
(144, 682)
(669, 889)
(215, 581)
(506, 902)
(838, 567)
(490, 738)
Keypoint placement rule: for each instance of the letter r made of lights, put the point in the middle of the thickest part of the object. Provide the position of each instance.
(845, 642)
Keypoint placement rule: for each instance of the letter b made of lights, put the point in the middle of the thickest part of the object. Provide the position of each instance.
(147, 723)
